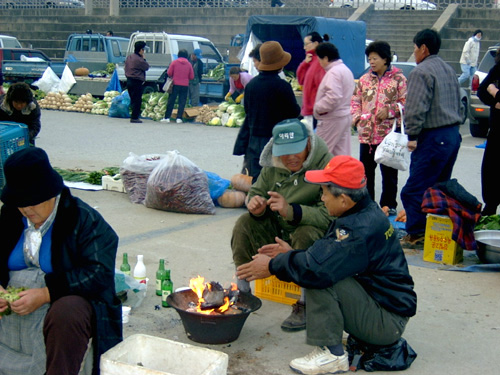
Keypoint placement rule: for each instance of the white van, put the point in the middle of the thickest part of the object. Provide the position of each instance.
(162, 48)
(7, 41)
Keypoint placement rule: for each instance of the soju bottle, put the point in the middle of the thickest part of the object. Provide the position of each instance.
(125, 267)
(140, 270)
(160, 275)
(166, 289)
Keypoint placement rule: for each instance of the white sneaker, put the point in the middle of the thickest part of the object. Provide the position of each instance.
(179, 121)
(165, 120)
(320, 361)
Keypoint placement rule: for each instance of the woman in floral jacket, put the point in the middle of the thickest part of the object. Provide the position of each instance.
(374, 106)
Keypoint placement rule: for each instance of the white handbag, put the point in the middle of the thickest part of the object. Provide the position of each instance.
(393, 150)
(168, 86)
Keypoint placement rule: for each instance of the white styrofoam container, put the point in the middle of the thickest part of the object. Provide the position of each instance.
(109, 183)
(149, 355)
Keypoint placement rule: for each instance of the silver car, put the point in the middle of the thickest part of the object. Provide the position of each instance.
(479, 113)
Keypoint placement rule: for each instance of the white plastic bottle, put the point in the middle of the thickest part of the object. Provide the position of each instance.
(140, 270)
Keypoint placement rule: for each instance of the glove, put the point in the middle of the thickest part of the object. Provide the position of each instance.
(227, 97)
(239, 98)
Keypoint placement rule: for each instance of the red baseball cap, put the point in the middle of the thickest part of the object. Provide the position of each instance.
(343, 170)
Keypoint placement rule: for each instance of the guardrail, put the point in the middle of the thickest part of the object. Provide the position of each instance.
(379, 4)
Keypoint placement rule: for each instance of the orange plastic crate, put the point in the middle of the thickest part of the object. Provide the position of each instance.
(275, 290)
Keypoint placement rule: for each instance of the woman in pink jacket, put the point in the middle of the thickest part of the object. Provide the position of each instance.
(374, 107)
(310, 74)
(332, 108)
(181, 72)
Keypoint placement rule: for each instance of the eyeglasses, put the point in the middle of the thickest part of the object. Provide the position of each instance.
(306, 44)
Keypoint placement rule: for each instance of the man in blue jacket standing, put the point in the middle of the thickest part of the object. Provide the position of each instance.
(356, 277)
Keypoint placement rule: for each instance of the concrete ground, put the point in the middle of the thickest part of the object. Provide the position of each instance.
(455, 331)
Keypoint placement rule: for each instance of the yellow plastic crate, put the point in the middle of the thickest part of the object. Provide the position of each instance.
(275, 290)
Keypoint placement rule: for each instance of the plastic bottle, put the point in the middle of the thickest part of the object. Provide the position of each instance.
(140, 270)
(166, 289)
(125, 267)
(160, 275)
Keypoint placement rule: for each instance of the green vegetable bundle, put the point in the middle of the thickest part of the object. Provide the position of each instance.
(491, 222)
(10, 295)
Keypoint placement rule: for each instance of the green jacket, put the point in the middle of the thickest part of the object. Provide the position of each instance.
(306, 207)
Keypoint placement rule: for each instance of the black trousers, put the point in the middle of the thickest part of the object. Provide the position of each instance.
(489, 171)
(389, 176)
(180, 92)
(135, 88)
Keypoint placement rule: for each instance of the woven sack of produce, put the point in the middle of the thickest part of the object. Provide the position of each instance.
(178, 185)
(135, 171)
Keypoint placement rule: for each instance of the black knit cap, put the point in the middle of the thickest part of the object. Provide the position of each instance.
(29, 178)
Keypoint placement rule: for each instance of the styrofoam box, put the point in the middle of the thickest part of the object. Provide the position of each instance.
(149, 355)
(109, 183)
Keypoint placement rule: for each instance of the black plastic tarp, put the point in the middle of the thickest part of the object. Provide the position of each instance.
(348, 36)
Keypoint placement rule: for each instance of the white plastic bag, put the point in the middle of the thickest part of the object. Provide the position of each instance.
(393, 150)
(67, 80)
(168, 86)
(49, 82)
(178, 185)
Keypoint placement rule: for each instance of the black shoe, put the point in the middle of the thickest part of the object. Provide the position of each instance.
(135, 121)
(297, 319)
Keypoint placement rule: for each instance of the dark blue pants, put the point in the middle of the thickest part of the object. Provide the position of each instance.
(389, 176)
(431, 162)
(181, 92)
(135, 88)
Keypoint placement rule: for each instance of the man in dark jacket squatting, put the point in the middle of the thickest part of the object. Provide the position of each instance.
(356, 277)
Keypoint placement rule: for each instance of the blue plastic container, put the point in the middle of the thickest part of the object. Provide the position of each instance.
(13, 137)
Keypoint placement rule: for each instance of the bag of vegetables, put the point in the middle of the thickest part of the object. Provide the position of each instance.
(178, 185)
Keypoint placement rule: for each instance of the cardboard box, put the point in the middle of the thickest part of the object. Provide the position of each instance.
(438, 246)
(188, 113)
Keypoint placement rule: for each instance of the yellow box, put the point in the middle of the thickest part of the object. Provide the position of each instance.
(275, 290)
(438, 246)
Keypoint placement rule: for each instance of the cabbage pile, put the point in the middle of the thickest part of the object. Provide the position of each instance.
(228, 114)
(154, 105)
(101, 107)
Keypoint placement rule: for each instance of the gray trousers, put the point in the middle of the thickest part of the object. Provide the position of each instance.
(194, 94)
(250, 233)
(346, 306)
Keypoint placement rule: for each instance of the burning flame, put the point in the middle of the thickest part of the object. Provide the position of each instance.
(197, 284)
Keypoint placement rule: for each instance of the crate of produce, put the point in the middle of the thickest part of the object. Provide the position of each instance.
(275, 290)
(13, 137)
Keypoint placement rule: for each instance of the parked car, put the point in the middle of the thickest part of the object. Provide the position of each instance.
(407, 67)
(479, 113)
(7, 41)
(10, 4)
(386, 4)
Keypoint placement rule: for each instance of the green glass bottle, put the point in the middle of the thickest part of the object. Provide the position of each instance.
(125, 267)
(160, 275)
(166, 289)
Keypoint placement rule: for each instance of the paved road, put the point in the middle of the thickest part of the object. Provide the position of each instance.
(456, 329)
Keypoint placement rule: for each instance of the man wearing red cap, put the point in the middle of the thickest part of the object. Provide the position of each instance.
(356, 277)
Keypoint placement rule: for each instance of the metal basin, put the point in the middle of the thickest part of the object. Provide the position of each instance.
(212, 329)
(488, 242)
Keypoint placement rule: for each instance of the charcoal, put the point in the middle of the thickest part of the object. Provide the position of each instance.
(213, 296)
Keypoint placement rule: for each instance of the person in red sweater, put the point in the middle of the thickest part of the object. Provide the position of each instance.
(181, 72)
(310, 74)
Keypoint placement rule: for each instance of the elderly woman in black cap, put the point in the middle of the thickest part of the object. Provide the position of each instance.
(63, 252)
(19, 105)
(268, 100)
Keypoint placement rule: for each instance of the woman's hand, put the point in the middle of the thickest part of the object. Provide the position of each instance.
(30, 300)
(383, 114)
(308, 58)
(492, 89)
(3, 303)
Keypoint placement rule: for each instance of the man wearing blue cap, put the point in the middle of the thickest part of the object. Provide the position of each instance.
(281, 203)
(194, 84)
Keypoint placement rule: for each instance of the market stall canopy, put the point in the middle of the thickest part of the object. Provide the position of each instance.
(289, 31)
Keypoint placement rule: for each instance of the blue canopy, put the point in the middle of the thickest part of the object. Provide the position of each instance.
(348, 36)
